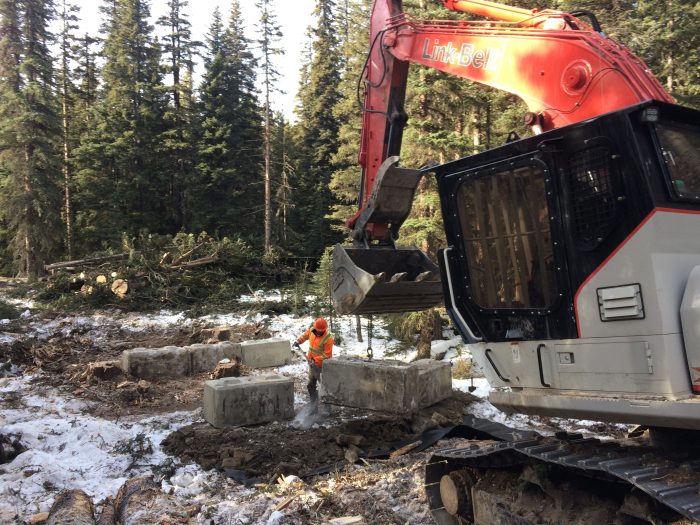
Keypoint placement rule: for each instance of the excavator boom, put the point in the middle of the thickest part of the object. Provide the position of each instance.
(564, 70)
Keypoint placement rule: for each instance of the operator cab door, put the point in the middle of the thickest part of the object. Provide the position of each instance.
(506, 277)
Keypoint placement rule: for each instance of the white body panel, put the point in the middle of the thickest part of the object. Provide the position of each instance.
(621, 369)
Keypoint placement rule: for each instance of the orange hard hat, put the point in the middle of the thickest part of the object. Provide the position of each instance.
(320, 324)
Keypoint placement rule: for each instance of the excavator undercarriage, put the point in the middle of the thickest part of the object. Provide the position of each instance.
(515, 477)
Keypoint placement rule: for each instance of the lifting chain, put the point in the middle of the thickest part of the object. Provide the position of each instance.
(369, 337)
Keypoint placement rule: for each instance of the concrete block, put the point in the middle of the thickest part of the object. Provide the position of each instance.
(234, 401)
(388, 386)
(204, 357)
(155, 363)
(263, 353)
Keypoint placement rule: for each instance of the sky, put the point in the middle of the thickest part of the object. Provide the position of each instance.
(294, 17)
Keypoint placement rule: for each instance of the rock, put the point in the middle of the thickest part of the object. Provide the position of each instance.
(352, 454)
(347, 439)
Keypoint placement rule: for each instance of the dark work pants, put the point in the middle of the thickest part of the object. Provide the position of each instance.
(314, 378)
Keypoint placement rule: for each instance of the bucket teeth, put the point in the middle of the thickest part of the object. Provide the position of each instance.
(425, 276)
(383, 280)
(398, 277)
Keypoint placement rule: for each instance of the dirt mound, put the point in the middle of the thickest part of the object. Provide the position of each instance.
(265, 452)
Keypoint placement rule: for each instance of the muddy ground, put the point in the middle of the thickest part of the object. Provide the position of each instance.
(263, 453)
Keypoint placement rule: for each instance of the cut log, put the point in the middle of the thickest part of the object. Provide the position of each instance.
(72, 507)
(226, 370)
(120, 288)
(405, 449)
(134, 495)
(101, 279)
(102, 370)
(38, 519)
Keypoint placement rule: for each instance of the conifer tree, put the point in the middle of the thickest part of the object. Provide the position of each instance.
(10, 83)
(228, 194)
(122, 175)
(179, 139)
(28, 127)
(270, 35)
(318, 129)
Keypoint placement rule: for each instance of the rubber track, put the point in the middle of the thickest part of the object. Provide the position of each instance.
(676, 485)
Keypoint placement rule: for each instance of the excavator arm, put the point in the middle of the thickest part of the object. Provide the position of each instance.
(564, 70)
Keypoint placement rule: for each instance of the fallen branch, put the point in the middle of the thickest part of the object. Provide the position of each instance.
(85, 262)
(185, 255)
(192, 264)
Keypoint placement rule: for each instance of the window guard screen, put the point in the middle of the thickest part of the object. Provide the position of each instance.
(504, 219)
(593, 206)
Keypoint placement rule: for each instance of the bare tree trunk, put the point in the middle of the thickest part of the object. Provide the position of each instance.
(268, 186)
(67, 171)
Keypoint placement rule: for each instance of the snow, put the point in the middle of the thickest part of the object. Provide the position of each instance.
(69, 449)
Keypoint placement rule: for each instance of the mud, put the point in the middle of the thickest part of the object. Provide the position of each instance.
(265, 452)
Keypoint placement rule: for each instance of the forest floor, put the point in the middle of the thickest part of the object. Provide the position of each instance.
(63, 428)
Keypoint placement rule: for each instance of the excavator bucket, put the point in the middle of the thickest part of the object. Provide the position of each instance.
(383, 280)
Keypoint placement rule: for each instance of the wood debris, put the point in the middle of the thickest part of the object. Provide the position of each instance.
(405, 449)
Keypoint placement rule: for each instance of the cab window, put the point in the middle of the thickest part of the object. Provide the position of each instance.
(504, 219)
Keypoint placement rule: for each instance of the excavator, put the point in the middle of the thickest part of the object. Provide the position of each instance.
(572, 265)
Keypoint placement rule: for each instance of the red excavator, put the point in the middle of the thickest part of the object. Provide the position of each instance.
(572, 267)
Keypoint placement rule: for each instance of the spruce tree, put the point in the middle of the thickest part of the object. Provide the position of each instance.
(318, 133)
(345, 180)
(28, 128)
(228, 194)
(123, 172)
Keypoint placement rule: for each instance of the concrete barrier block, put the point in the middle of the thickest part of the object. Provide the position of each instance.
(263, 353)
(204, 357)
(235, 401)
(155, 363)
(388, 386)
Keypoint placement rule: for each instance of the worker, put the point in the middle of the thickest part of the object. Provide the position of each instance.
(320, 349)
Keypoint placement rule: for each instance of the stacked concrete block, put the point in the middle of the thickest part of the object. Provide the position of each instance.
(235, 401)
(387, 386)
(264, 353)
(204, 357)
(156, 363)
(174, 361)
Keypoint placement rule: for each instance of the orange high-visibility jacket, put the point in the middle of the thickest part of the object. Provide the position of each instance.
(320, 347)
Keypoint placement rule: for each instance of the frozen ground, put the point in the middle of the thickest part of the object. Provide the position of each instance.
(70, 448)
